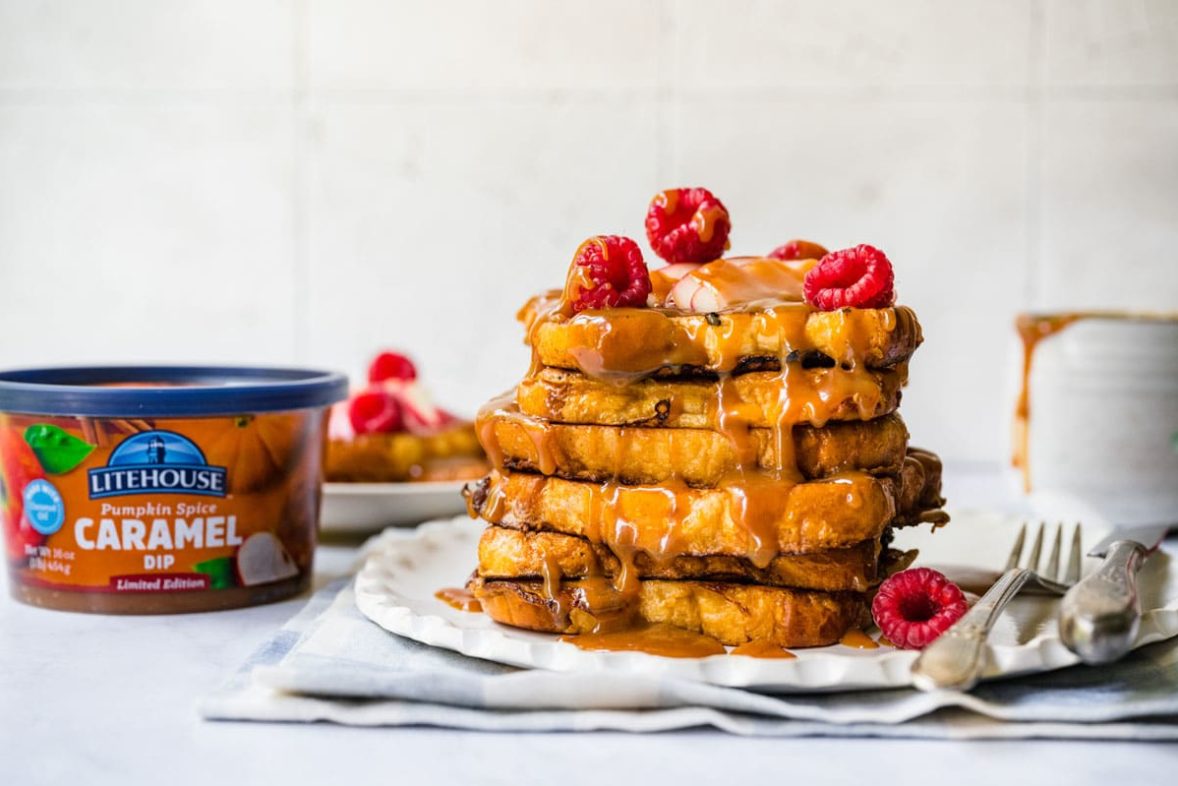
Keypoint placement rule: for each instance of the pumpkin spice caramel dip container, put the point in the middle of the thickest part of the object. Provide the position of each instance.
(161, 489)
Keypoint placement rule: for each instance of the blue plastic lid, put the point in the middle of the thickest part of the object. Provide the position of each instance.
(185, 391)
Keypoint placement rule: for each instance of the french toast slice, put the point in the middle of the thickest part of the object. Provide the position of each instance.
(731, 613)
(644, 341)
(512, 554)
(833, 394)
(758, 520)
(700, 457)
(450, 454)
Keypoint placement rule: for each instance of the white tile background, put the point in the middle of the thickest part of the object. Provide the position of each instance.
(306, 181)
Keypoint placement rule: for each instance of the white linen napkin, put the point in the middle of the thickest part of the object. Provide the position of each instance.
(330, 663)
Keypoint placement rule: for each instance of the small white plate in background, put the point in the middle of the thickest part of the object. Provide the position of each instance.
(359, 508)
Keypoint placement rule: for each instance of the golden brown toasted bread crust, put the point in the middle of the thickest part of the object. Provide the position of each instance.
(731, 613)
(451, 454)
(700, 457)
(563, 396)
(642, 341)
(930, 464)
(757, 520)
(507, 553)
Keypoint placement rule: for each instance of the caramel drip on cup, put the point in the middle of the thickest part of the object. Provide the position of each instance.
(1031, 330)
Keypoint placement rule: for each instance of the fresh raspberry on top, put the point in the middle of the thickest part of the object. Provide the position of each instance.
(391, 365)
(607, 272)
(915, 606)
(687, 225)
(798, 249)
(859, 277)
(375, 412)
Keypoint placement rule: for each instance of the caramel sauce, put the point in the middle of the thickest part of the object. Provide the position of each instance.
(667, 200)
(662, 280)
(495, 506)
(551, 575)
(502, 412)
(468, 496)
(757, 503)
(761, 648)
(659, 639)
(1031, 330)
(704, 223)
(745, 280)
(859, 640)
(459, 598)
(578, 277)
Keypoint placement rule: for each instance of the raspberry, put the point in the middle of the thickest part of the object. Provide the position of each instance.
(607, 272)
(859, 277)
(798, 249)
(391, 365)
(375, 412)
(915, 606)
(687, 225)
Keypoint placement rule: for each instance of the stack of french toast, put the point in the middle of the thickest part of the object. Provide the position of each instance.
(710, 446)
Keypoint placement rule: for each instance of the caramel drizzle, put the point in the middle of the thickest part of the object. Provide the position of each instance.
(459, 598)
(502, 412)
(704, 222)
(762, 648)
(658, 639)
(1031, 330)
(755, 279)
(551, 575)
(858, 640)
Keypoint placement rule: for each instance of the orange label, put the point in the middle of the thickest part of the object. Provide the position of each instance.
(157, 506)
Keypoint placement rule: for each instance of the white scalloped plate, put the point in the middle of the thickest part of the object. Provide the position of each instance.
(396, 586)
(367, 508)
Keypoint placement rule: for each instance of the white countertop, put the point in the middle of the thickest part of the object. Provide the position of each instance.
(95, 700)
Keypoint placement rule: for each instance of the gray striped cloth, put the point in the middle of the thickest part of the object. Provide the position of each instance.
(330, 663)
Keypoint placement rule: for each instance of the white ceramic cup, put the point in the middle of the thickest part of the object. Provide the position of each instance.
(1102, 425)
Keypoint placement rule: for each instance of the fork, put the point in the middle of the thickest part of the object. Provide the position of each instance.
(956, 659)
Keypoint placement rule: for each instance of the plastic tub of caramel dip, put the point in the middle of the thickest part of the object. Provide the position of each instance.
(154, 490)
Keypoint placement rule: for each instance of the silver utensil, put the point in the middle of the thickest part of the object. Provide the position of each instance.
(956, 660)
(1099, 617)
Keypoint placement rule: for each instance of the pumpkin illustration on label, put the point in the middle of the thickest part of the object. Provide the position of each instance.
(256, 451)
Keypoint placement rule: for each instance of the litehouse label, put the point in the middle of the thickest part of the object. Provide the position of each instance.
(157, 462)
(159, 506)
